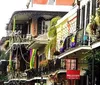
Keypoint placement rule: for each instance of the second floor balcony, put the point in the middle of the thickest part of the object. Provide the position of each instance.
(28, 24)
(47, 67)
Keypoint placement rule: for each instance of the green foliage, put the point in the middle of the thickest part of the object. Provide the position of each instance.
(3, 78)
(94, 21)
(3, 55)
(97, 18)
(93, 58)
(50, 46)
(54, 21)
(52, 34)
(90, 55)
(91, 26)
(52, 30)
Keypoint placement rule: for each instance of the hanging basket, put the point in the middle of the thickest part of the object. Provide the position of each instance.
(91, 27)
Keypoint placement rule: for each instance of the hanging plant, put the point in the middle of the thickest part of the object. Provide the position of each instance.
(52, 35)
(51, 46)
(97, 18)
(91, 29)
(52, 32)
(88, 29)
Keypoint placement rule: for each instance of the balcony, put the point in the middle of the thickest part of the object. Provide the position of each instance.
(26, 25)
(78, 42)
(47, 68)
(26, 19)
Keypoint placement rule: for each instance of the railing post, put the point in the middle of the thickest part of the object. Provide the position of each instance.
(89, 41)
(87, 80)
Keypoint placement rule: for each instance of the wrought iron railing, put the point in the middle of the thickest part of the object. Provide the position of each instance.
(17, 37)
(81, 38)
(52, 66)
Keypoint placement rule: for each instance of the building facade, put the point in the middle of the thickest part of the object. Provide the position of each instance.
(62, 63)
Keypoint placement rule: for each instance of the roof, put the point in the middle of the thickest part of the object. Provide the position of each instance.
(27, 14)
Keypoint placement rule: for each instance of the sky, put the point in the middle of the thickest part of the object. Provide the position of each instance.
(7, 7)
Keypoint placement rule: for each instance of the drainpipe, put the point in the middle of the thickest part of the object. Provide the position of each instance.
(78, 15)
(93, 59)
(93, 62)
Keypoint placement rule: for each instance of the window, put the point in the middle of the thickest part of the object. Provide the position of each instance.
(71, 64)
(44, 26)
(79, 36)
(83, 17)
(97, 3)
(78, 19)
(88, 13)
(93, 7)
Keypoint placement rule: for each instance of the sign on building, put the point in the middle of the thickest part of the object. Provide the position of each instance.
(71, 69)
(73, 74)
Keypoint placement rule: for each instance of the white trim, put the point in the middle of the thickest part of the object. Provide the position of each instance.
(35, 78)
(60, 8)
(75, 50)
(15, 80)
(3, 60)
(40, 78)
(95, 45)
(62, 71)
(36, 41)
(83, 2)
(19, 43)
